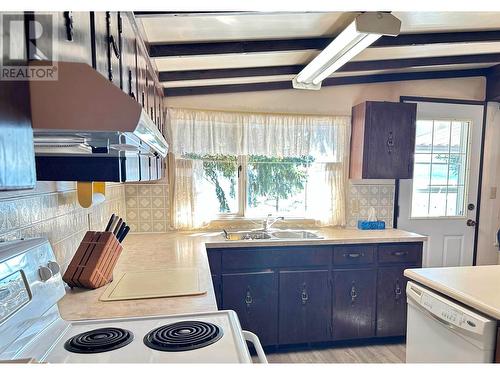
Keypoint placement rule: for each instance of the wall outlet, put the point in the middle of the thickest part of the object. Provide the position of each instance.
(493, 192)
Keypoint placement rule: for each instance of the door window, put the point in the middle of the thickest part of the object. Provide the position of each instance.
(441, 168)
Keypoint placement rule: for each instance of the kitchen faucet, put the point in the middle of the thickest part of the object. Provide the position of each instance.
(267, 224)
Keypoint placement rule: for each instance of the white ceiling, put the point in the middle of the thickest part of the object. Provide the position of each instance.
(240, 26)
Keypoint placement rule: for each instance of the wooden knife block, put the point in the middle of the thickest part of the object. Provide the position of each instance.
(93, 263)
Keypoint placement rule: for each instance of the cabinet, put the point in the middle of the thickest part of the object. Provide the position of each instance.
(304, 294)
(128, 49)
(254, 297)
(354, 303)
(304, 306)
(72, 41)
(382, 140)
(107, 26)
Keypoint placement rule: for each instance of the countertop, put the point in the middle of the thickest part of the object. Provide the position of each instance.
(186, 250)
(477, 287)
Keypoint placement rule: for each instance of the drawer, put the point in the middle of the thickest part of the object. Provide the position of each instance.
(255, 258)
(353, 254)
(400, 253)
(214, 260)
(310, 256)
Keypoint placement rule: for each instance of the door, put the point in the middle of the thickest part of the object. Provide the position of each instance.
(254, 297)
(304, 306)
(128, 50)
(353, 303)
(107, 27)
(441, 199)
(391, 301)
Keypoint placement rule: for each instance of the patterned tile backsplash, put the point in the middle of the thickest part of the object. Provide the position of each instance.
(362, 196)
(147, 207)
(57, 216)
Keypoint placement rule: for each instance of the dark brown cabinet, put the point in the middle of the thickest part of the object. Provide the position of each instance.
(72, 41)
(107, 26)
(128, 48)
(304, 306)
(354, 303)
(383, 140)
(391, 301)
(254, 297)
(306, 294)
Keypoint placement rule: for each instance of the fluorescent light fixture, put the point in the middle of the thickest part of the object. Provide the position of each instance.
(362, 32)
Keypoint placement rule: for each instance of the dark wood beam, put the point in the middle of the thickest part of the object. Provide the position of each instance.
(353, 66)
(255, 46)
(335, 81)
(493, 84)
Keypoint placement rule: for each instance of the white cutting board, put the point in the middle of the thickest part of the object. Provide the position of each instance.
(154, 284)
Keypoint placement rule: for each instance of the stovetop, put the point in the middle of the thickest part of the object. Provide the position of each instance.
(143, 340)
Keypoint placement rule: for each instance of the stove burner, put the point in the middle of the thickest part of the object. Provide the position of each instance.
(183, 336)
(99, 340)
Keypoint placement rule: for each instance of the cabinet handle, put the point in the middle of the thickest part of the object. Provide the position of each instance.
(400, 253)
(68, 22)
(354, 293)
(353, 255)
(304, 296)
(248, 299)
(397, 291)
(390, 143)
(130, 91)
(114, 45)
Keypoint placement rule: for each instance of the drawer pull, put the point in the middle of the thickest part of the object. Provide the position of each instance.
(400, 253)
(397, 291)
(353, 255)
(304, 296)
(354, 293)
(248, 299)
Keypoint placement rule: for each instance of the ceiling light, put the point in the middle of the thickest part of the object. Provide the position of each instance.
(362, 32)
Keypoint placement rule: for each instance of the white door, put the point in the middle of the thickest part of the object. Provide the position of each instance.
(441, 199)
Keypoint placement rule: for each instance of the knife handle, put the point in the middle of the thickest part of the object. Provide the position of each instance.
(111, 219)
(124, 234)
(117, 227)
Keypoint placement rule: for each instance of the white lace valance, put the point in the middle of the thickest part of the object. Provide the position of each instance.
(231, 133)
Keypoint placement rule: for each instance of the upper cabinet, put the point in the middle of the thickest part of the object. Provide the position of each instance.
(382, 140)
(107, 27)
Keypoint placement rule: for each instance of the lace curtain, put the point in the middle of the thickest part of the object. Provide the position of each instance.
(230, 133)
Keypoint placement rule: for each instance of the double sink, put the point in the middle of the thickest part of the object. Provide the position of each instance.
(271, 235)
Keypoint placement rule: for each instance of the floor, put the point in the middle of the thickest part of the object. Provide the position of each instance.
(387, 351)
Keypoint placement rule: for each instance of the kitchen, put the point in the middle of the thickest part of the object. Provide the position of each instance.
(249, 186)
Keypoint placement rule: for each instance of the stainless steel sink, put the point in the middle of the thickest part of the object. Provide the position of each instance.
(295, 234)
(275, 235)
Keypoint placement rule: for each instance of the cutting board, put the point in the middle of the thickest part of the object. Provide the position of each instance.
(154, 284)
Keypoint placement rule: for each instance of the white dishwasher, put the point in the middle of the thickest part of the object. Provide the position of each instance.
(440, 330)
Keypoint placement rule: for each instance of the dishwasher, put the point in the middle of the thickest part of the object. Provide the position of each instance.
(440, 330)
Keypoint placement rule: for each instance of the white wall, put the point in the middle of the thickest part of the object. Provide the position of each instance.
(489, 223)
(335, 100)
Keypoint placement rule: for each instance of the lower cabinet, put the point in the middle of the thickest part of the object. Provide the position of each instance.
(391, 301)
(354, 303)
(254, 297)
(289, 295)
(304, 306)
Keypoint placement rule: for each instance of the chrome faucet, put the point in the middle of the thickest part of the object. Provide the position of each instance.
(268, 223)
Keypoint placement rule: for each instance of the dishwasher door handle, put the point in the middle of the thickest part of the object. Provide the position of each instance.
(252, 337)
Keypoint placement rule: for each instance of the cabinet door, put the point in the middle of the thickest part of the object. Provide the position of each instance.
(128, 49)
(354, 303)
(391, 301)
(141, 76)
(72, 40)
(304, 306)
(389, 140)
(107, 48)
(254, 297)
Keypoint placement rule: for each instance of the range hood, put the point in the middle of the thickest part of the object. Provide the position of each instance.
(87, 129)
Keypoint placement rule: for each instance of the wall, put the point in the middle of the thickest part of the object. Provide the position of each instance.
(489, 223)
(51, 210)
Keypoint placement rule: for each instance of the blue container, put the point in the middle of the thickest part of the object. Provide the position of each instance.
(366, 225)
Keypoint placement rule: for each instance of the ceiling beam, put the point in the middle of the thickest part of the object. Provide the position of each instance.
(255, 46)
(334, 81)
(353, 66)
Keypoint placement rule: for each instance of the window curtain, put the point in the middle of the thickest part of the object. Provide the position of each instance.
(279, 135)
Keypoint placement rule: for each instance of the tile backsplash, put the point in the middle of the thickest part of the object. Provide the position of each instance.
(54, 213)
(147, 207)
(363, 195)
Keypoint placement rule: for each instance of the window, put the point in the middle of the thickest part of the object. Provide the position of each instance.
(255, 186)
(440, 169)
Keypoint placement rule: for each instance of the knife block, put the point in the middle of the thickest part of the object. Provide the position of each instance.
(93, 263)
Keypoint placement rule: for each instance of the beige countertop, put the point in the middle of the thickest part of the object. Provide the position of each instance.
(187, 250)
(477, 287)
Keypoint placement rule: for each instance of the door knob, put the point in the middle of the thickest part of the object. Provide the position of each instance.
(471, 223)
